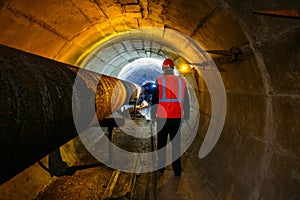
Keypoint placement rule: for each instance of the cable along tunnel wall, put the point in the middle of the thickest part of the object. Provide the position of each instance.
(41, 107)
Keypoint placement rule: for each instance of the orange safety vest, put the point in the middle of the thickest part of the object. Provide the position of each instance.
(171, 96)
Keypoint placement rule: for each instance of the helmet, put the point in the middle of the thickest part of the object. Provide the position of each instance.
(168, 63)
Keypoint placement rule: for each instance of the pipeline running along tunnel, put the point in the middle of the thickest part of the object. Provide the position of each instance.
(68, 65)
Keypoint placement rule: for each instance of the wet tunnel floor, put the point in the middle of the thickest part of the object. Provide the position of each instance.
(102, 182)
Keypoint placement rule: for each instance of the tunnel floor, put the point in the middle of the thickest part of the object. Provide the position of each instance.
(102, 182)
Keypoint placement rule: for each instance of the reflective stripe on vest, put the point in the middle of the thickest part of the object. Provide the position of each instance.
(164, 99)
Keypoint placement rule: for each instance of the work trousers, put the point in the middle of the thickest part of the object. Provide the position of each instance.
(169, 127)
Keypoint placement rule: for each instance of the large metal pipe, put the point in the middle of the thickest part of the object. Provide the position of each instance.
(40, 107)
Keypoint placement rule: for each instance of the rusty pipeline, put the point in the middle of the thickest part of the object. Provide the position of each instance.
(45, 103)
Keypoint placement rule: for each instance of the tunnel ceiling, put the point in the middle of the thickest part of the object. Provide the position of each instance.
(110, 56)
(74, 28)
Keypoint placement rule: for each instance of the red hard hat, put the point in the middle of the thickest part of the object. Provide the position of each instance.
(168, 63)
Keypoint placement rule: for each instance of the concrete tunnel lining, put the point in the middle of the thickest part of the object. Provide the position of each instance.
(186, 49)
(253, 144)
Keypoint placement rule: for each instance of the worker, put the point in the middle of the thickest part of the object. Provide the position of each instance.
(170, 104)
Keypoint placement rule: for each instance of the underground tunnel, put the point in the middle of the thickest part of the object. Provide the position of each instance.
(244, 141)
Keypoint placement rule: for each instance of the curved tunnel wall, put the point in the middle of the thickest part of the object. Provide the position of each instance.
(257, 156)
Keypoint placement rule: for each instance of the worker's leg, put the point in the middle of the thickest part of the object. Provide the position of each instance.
(175, 137)
(162, 137)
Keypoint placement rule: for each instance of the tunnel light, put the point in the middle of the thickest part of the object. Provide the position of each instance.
(182, 65)
(184, 68)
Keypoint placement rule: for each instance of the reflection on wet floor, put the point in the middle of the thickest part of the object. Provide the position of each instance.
(97, 181)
